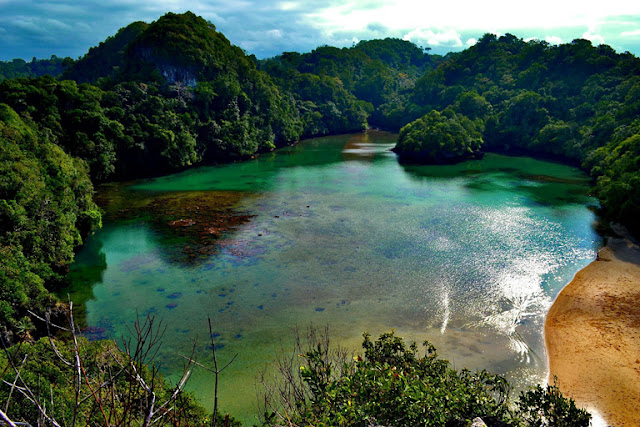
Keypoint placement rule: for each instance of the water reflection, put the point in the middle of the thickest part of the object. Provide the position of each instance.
(542, 183)
(87, 271)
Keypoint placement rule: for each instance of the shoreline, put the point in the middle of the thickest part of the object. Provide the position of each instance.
(592, 335)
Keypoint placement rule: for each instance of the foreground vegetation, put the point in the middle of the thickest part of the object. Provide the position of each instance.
(391, 384)
(76, 382)
(71, 381)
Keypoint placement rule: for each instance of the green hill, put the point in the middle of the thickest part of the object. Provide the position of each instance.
(106, 59)
(574, 102)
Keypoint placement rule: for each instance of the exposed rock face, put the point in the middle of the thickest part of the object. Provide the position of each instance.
(173, 73)
(178, 75)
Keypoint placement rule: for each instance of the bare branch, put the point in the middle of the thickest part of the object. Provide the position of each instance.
(28, 394)
(216, 373)
(227, 365)
(199, 364)
(103, 385)
(286, 389)
(48, 321)
(175, 393)
(5, 419)
(24, 389)
(15, 382)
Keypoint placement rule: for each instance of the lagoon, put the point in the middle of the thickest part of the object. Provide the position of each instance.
(334, 231)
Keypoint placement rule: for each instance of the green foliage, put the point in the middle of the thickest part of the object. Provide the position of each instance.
(521, 120)
(473, 105)
(46, 207)
(325, 106)
(393, 385)
(573, 102)
(545, 406)
(396, 53)
(439, 138)
(22, 289)
(71, 116)
(36, 68)
(531, 84)
(378, 72)
(185, 46)
(617, 169)
(175, 93)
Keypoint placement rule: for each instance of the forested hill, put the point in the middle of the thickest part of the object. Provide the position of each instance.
(575, 102)
(159, 97)
(53, 66)
(105, 59)
(382, 73)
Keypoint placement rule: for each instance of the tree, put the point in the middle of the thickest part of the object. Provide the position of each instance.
(439, 138)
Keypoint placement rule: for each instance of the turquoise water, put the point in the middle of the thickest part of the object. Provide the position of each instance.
(333, 231)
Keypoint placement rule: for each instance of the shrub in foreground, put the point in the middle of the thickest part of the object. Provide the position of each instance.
(393, 385)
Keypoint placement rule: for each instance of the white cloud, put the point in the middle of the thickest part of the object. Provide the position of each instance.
(596, 39)
(421, 36)
(276, 34)
(633, 33)
(288, 5)
(57, 24)
(28, 24)
(468, 14)
(471, 42)
(553, 40)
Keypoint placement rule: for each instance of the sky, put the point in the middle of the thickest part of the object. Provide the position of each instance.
(41, 28)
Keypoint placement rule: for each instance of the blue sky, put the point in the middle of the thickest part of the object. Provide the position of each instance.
(265, 28)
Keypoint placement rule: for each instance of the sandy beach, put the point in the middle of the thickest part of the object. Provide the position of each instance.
(592, 334)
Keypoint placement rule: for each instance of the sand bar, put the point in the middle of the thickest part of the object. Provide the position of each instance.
(592, 334)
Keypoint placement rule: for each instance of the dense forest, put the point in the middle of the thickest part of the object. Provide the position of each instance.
(160, 97)
(53, 66)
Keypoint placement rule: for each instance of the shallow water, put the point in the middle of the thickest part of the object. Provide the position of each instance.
(333, 231)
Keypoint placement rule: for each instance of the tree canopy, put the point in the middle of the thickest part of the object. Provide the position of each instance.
(46, 209)
(439, 138)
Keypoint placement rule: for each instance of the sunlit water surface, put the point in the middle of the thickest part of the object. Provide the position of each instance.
(333, 231)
